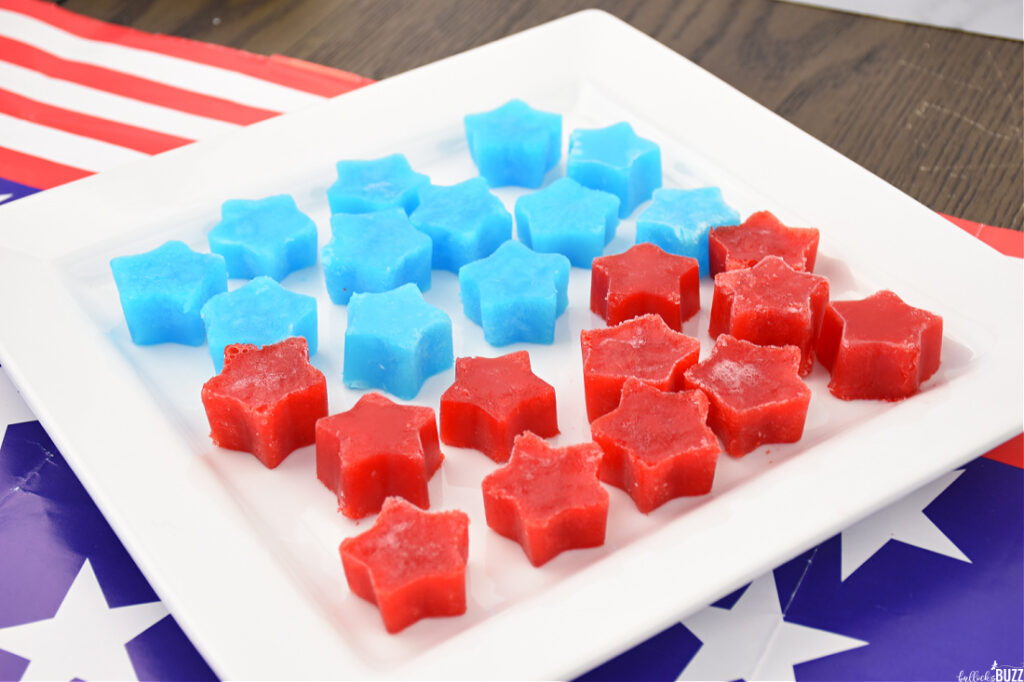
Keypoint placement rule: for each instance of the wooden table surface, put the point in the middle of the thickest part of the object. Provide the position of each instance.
(937, 113)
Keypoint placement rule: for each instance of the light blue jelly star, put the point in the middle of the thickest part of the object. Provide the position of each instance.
(260, 312)
(465, 221)
(678, 220)
(395, 340)
(615, 160)
(374, 252)
(163, 290)
(514, 144)
(365, 186)
(515, 294)
(567, 218)
(270, 237)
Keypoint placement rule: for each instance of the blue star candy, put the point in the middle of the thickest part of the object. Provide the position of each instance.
(615, 160)
(163, 290)
(260, 312)
(514, 144)
(394, 341)
(516, 294)
(270, 237)
(374, 252)
(365, 186)
(569, 219)
(679, 220)
(465, 221)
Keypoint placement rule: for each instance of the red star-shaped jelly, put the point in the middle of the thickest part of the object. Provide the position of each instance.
(755, 393)
(645, 279)
(771, 304)
(657, 445)
(375, 450)
(644, 348)
(266, 400)
(733, 247)
(492, 401)
(548, 499)
(879, 347)
(411, 563)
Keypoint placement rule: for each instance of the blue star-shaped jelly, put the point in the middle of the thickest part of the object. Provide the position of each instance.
(374, 252)
(515, 294)
(163, 290)
(270, 237)
(365, 186)
(615, 160)
(260, 312)
(678, 220)
(514, 144)
(569, 219)
(465, 221)
(395, 340)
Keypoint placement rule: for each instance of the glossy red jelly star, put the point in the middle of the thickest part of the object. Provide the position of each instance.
(733, 247)
(644, 348)
(645, 279)
(548, 499)
(492, 401)
(879, 347)
(657, 446)
(755, 393)
(411, 563)
(266, 400)
(376, 450)
(770, 304)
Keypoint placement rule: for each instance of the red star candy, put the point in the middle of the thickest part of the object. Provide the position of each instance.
(411, 563)
(375, 450)
(733, 247)
(492, 401)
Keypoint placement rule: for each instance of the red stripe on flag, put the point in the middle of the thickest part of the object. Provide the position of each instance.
(1005, 241)
(121, 134)
(133, 87)
(1011, 452)
(35, 172)
(317, 81)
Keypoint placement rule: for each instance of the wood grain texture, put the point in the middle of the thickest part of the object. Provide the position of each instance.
(937, 113)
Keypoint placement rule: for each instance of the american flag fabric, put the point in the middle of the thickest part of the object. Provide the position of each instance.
(927, 589)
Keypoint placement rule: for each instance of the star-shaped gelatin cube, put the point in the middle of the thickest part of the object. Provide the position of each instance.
(365, 186)
(771, 304)
(516, 294)
(567, 218)
(492, 401)
(260, 312)
(615, 160)
(678, 220)
(411, 563)
(548, 499)
(374, 252)
(732, 247)
(657, 445)
(514, 144)
(465, 221)
(644, 348)
(264, 237)
(163, 290)
(377, 449)
(266, 400)
(645, 279)
(879, 347)
(395, 340)
(755, 393)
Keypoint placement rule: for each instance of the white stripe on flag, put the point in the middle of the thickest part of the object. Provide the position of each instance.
(182, 73)
(62, 147)
(86, 100)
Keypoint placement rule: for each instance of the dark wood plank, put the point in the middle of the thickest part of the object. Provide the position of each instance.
(937, 113)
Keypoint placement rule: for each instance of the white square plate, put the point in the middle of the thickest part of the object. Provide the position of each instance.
(246, 558)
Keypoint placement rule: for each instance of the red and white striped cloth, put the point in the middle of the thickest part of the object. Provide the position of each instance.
(78, 95)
